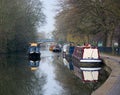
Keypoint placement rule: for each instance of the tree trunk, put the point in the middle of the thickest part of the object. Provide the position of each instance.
(105, 39)
(109, 39)
(118, 42)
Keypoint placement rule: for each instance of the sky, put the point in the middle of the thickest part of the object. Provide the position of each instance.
(49, 11)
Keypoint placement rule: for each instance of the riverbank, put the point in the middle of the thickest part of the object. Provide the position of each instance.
(112, 84)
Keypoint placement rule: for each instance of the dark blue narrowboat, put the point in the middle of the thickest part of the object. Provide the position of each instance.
(34, 52)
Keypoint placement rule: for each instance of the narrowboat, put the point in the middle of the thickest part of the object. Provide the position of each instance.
(68, 50)
(51, 47)
(56, 48)
(34, 51)
(86, 56)
(65, 50)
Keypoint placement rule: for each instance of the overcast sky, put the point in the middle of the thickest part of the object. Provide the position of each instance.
(49, 11)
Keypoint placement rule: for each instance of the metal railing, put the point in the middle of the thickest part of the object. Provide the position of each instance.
(110, 50)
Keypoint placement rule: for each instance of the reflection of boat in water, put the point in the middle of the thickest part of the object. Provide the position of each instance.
(86, 56)
(90, 74)
(87, 74)
(68, 64)
(34, 51)
(34, 64)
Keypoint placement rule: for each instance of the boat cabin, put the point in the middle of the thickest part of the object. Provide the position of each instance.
(86, 56)
(34, 51)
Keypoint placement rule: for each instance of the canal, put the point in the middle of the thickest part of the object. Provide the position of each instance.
(49, 77)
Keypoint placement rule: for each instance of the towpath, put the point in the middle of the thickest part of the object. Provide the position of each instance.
(112, 84)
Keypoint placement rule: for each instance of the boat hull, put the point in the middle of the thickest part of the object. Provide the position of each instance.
(88, 62)
(34, 56)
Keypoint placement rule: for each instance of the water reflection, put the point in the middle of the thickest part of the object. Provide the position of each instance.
(71, 84)
(34, 64)
(16, 78)
(52, 86)
(87, 74)
(50, 78)
(93, 77)
(68, 64)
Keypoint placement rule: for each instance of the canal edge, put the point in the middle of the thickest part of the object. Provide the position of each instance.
(113, 80)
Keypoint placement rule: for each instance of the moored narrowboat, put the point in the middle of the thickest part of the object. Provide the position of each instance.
(57, 48)
(51, 47)
(68, 50)
(34, 51)
(86, 56)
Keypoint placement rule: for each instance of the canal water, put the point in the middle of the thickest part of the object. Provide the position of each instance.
(48, 77)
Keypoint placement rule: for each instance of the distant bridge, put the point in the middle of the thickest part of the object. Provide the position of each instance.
(45, 40)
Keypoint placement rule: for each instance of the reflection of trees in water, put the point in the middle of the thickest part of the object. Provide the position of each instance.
(16, 77)
(72, 84)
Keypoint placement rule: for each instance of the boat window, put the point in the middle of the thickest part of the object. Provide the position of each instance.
(90, 53)
(32, 48)
(37, 49)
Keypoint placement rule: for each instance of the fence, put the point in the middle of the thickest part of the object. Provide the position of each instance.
(112, 50)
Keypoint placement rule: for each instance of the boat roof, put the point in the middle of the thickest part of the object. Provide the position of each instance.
(33, 44)
(86, 46)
